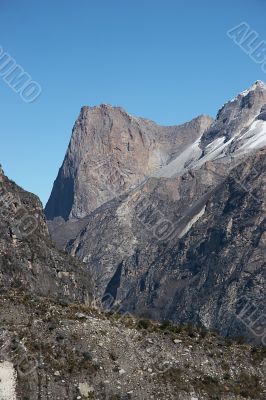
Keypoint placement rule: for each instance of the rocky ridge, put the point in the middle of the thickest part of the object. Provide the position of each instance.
(110, 152)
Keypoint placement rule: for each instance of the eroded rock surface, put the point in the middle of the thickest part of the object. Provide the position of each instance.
(111, 151)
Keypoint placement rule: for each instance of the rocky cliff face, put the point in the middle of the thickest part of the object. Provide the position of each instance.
(109, 153)
(187, 244)
(28, 259)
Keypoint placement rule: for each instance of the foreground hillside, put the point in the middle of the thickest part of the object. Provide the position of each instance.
(59, 352)
(55, 345)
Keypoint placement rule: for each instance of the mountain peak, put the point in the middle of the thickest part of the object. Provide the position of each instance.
(102, 107)
(260, 84)
(237, 116)
(257, 86)
(110, 152)
(106, 110)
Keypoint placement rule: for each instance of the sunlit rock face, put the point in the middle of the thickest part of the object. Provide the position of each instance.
(110, 152)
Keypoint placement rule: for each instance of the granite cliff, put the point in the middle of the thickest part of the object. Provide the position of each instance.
(110, 152)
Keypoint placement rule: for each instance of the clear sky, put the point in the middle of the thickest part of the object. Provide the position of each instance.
(167, 60)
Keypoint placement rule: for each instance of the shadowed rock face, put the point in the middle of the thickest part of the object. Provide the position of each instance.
(117, 230)
(211, 256)
(186, 244)
(205, 275)
(109, 153)
(28, 259)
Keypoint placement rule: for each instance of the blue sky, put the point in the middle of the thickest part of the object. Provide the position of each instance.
(166, 60)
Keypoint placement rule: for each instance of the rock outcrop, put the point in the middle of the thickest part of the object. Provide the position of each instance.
(109, 153)
(29, 261)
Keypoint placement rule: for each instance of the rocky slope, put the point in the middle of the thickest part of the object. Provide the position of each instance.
(188, 243)
(51, 352)
(56, 345)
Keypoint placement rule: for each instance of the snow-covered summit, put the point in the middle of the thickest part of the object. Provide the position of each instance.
(258, 85)
(239, 129)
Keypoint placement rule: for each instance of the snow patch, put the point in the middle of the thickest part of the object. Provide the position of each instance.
(7, 381)
(255, 137)
(217, 148)
(192, 222)
(240, 143)
(214, 145)
(179, 164)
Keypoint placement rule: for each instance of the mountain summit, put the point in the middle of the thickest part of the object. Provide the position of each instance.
(110, 152)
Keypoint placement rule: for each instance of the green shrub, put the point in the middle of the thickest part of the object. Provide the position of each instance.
(144, 324)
